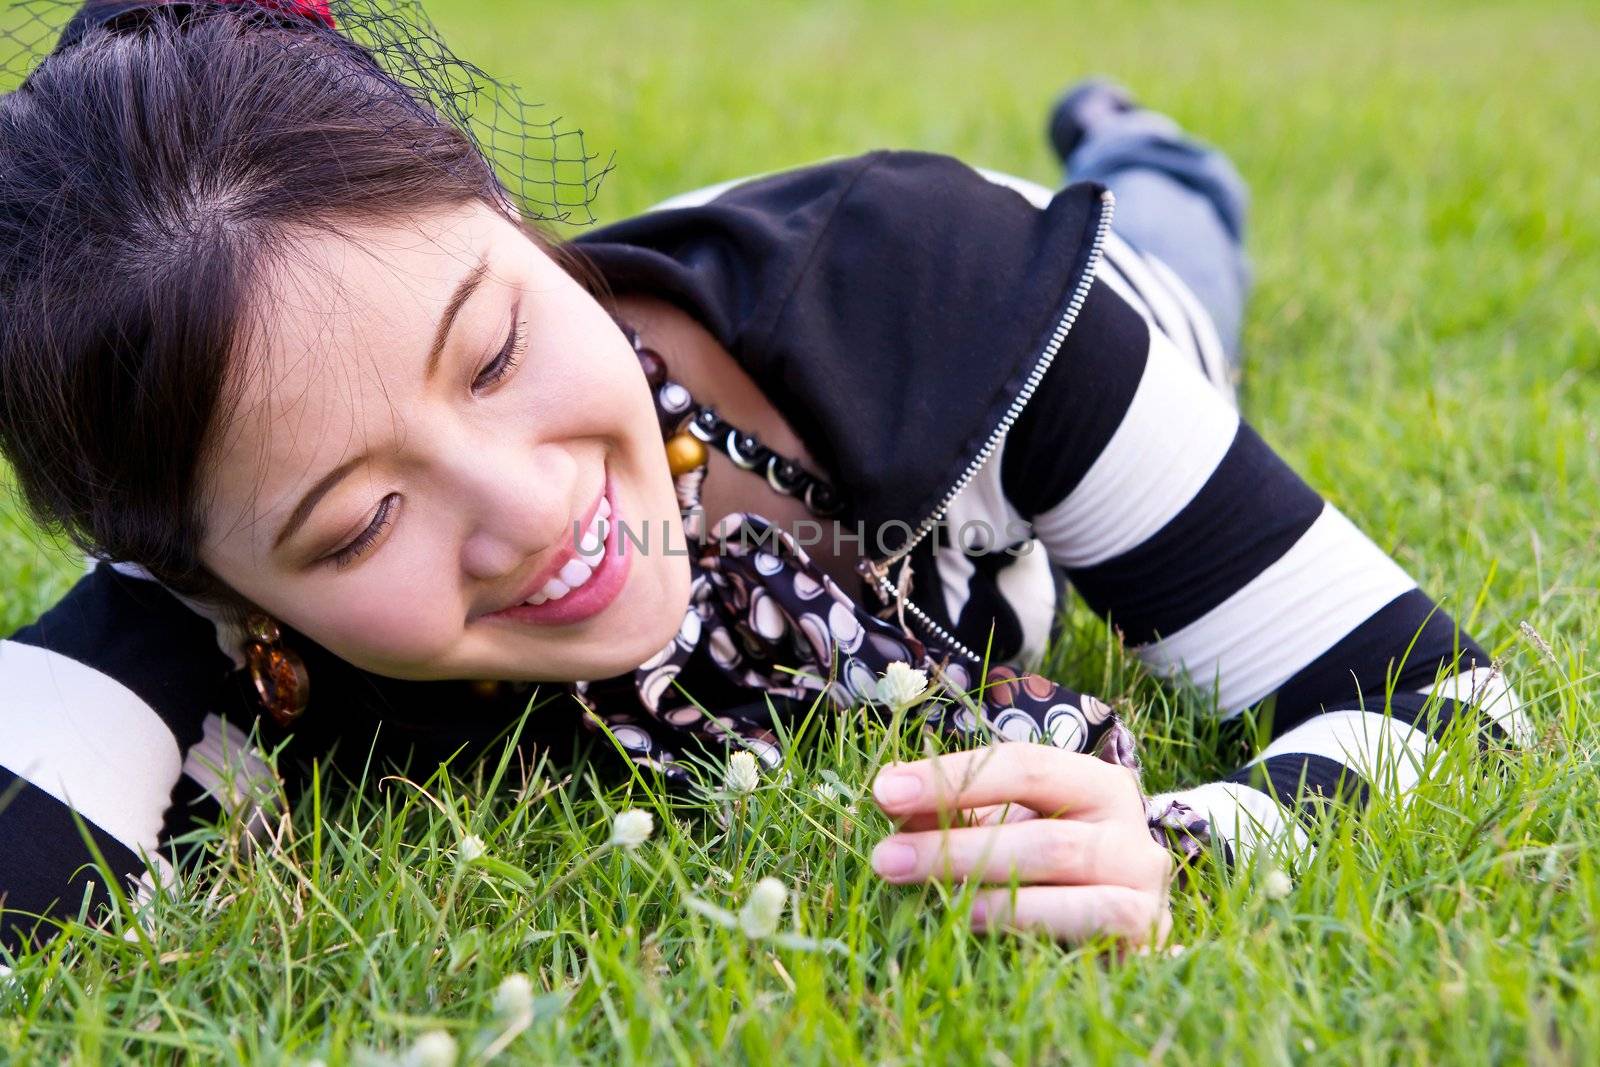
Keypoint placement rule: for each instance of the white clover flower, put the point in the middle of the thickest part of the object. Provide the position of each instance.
(742, 775)
(828, 792)
(433, 1049)
(902, 685)
(513, 998)
(1276, 885)
(760, 915)
(470, 850)
(632, 828)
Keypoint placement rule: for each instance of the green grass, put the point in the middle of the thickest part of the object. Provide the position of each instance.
(1424, 345)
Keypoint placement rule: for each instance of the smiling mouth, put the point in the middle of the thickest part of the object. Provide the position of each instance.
(587, 582)
(576, 572)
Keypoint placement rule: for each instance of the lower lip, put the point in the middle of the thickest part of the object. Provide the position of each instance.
(590, 598)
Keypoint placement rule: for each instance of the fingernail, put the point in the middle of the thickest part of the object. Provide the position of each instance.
(891, 859)
(896, 788)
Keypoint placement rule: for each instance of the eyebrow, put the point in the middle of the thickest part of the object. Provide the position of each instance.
(302, 510)
(458, 299)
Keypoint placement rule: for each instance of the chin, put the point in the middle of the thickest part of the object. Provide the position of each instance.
(640, 633)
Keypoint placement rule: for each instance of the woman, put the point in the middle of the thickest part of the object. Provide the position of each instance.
(350, 441)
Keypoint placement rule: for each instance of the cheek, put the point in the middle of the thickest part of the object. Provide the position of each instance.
(582, 370)
(390, 616)
(573, 399)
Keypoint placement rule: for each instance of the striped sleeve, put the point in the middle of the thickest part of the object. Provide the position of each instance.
(1221, 567)
(108, 731)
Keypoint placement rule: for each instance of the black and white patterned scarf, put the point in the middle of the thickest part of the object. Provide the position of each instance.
(768, 632)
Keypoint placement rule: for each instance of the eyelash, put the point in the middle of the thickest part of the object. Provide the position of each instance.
(366, 538)
(505, 361)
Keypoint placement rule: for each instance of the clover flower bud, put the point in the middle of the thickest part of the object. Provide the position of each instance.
(761, 912)
(433, 1049)
(513, 999)
(902, 685)
(632, 828)
(742, 775)
(470, 850)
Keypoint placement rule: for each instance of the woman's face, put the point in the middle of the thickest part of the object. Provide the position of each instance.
(434, 423)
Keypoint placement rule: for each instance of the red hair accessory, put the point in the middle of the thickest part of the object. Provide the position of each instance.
(311, 9)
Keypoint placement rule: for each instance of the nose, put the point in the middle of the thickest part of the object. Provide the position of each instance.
(516, 501)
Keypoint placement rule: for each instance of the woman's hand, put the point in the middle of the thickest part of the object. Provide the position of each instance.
(1069, 828)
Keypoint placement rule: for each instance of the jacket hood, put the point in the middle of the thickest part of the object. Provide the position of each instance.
(891, 307)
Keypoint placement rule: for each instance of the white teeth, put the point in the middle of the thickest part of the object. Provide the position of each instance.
(593, 541)
(576, 571)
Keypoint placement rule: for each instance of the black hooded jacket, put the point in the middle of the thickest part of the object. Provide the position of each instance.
(893, 307)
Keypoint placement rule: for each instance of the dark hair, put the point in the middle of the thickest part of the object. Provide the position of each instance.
(147, 173)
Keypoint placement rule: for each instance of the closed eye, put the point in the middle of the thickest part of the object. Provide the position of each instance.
(505, 361)
(358, 546)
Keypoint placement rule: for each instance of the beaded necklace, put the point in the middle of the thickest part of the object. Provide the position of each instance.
(690, 427)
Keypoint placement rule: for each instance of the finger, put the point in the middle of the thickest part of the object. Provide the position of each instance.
(1034, 852)
(1076, 913)
(1051, 781)
(989, 815)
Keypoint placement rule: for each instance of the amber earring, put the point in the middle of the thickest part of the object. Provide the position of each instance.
(279, 675)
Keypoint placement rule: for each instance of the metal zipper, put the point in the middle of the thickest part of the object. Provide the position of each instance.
(876, 572)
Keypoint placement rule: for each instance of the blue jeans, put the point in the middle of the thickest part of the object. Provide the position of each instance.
(1179, 200)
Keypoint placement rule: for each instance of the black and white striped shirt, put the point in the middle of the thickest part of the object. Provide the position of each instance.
(1221, 567)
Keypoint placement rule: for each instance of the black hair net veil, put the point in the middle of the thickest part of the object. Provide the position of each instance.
(546, 170)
